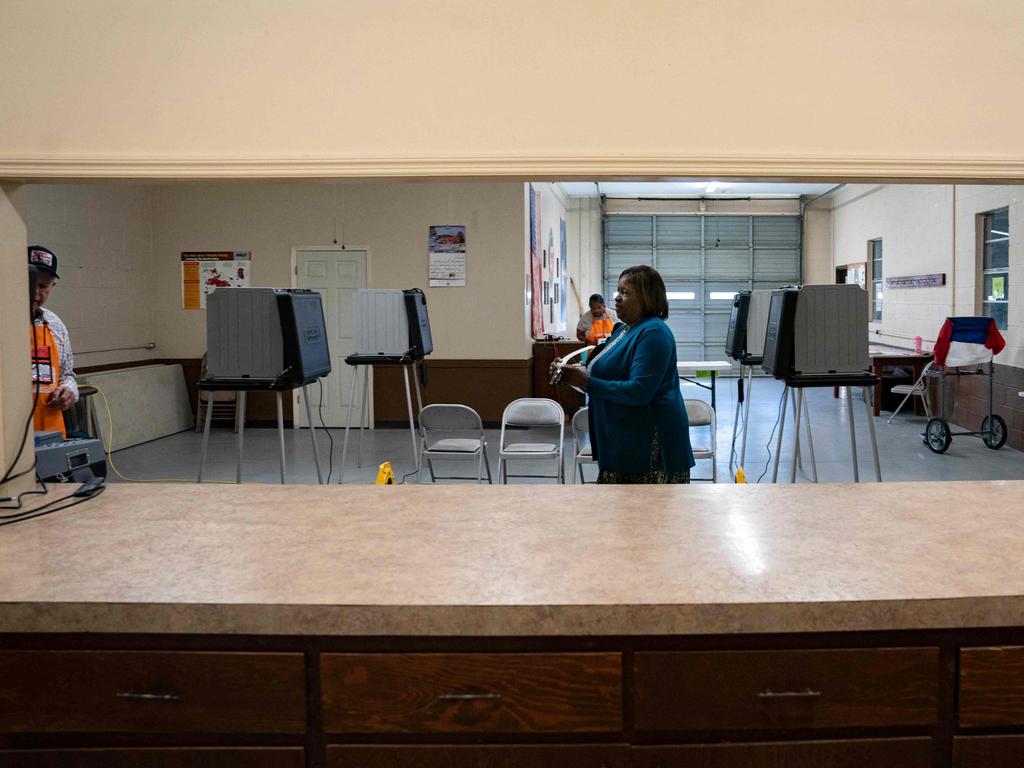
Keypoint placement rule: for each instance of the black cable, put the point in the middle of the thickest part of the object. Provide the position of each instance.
(408, 474)
(320, 409)
(778, 417)
(33, 492)
(46, 508)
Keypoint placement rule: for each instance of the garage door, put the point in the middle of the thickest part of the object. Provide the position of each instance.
(704, 260)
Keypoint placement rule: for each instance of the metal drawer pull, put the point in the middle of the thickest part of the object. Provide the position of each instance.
(148, 696)
(806, 693)
(468, 696)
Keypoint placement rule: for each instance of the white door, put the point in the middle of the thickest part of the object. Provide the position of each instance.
(336, 274)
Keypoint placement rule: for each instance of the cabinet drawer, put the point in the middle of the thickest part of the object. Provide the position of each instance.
(988, 751)
(448, 756)
(472, 692)
(143, 691)
(991, 686)
(860, 753)
(786, 689)
(173, 757)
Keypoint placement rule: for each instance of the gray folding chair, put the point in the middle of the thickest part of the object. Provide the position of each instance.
(529, 416)
(452, 433)
(583, 451)
(700, 414)
(918, 389)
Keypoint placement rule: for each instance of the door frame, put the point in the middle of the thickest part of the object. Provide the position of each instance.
(293, 271)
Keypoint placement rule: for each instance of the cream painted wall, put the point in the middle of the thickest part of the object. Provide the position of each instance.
(817, 263)
(916, 224)
(102, 235)
(482, 320)
(360, 87)
(585, 255)
(15, 373)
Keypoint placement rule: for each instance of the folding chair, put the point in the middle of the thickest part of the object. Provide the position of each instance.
(700, 414)
(533, 414)
(918, 389)
(583, 451)
(453, 433)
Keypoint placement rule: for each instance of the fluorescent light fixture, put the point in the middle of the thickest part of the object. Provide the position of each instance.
(723, 295)
(712, 187)
(997, 232)
(681, 295)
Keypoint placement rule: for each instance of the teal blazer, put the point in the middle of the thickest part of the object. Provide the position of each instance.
(634, 394)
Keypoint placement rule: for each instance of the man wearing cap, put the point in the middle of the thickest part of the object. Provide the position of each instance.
(53, 365)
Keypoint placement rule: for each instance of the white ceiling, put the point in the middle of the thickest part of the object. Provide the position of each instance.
(705, 188)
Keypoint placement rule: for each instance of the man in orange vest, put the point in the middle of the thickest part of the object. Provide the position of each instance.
(596, 324)
(53, 365)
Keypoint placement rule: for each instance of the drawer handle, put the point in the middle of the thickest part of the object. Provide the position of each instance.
(469, 696)
(148, 696)
(806, 693)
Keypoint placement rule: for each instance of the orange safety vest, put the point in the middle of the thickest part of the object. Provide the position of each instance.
(600, 328)
(45, 375)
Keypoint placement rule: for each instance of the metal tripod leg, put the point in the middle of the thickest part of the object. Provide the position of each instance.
(796, 415)
(412, 427)
(871, 430)
(782, 427)
(853, 433)
(736, 417)
(280, 430)
(312, 434)
(206, 434)
(348, 422)
(810, 440)
(364, 414)
(746, 415)
(796, 430)
(241, 434)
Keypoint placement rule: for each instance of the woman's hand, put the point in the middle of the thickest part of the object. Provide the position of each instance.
(555, 365)
(575, 376)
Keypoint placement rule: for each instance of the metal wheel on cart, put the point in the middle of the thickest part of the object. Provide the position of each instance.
(937, 435)
(994, 435)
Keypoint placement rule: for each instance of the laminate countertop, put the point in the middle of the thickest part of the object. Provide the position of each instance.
(466, 560)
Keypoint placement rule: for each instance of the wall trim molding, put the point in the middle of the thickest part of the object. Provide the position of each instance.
(537, 167)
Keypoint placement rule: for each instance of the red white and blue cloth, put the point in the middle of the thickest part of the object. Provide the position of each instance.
(967, 341)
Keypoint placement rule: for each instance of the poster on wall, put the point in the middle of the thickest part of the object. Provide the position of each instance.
(446, 256)
(202, 272)
(536, 276)
(563, 261)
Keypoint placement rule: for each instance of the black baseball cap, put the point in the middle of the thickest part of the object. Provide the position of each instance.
(43, 258)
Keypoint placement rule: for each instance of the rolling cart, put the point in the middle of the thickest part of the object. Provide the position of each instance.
(937, 434)
(963, 342)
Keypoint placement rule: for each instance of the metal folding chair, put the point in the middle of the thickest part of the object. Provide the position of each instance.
(700, 414)
(918, 389)
(531, 415)
(452, 433)
(583, 451)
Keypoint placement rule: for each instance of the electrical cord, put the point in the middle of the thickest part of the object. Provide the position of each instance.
(320, 409)
(33, 492)
(778, 417)
(48, 508)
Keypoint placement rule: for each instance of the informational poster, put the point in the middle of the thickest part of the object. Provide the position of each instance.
(564, 272)
(536, 275)
(447, 256)
(202, 272)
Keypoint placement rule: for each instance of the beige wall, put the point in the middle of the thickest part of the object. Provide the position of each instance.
(817, 262)
(875, 87)
(586, 256)
(102, 235)
(15, 376)
(482, 320)
(927, 229)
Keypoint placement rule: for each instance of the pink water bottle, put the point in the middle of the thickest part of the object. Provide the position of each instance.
(917, 344)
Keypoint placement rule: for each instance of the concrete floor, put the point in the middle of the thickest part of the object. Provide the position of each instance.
(903, 456)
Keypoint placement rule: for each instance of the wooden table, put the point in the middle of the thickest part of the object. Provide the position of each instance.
(882, 356)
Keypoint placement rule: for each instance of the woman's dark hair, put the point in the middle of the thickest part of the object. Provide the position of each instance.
(650, 290)
(596, 298)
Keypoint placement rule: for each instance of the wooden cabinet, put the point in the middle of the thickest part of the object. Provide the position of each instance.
(750, 690)
(170, 757)
(861, 753)
(151, 691)
(472, 692)
(988, 751)
(991, 686)
(472, 756)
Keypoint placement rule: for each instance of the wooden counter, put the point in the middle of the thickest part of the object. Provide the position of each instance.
(840, 625)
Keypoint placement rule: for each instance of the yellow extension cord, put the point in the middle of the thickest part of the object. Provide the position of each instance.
(110, 443)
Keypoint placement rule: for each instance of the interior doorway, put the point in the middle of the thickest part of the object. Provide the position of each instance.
(336, 273)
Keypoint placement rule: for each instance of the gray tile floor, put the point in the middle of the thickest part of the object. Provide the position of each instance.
(903, 456)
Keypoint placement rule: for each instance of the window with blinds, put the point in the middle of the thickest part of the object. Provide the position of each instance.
(704, 261)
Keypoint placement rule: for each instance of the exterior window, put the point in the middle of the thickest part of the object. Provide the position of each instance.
(875, 247)
(995, 266)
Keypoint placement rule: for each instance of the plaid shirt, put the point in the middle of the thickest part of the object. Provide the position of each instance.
(59, 331)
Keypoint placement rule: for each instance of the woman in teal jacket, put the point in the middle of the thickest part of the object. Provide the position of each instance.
(638, 426)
